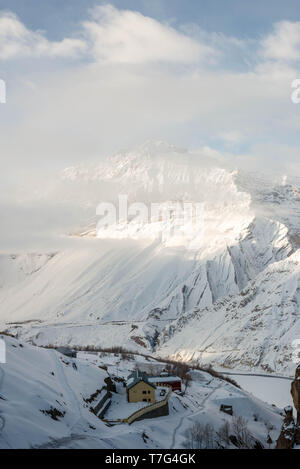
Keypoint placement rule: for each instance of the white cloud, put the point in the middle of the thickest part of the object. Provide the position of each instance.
(138, 89)
(283, 43)
(231, 137)
(123, 36)
(111, 36)
(18, 41)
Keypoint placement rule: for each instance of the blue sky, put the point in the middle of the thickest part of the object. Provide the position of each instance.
(232, 17)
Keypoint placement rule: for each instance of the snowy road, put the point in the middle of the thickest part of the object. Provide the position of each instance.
(269, 388)
(257, 374)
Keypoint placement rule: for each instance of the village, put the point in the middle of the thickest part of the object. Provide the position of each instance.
(138, 395)
(117, 398)
(142, 396)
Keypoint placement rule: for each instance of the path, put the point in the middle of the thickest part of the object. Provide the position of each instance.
(255, 374)
(201, 408)
(73, 402)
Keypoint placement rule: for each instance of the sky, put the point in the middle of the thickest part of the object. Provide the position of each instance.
(231, 17)
(85, 79)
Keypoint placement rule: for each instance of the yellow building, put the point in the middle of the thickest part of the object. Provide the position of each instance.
(139, 389)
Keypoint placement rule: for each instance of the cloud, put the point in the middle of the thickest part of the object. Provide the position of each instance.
(110, 36)
(278, 159)
(128, 37)
(140, 79)
(99, 108)
(136, 87)
(231, 138)
(283, 44)
(18, 41)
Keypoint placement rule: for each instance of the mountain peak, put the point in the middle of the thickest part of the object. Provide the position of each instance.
(159, 147)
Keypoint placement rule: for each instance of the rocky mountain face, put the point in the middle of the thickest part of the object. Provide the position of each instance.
(290, 432)
(295, 391)
(225, 290)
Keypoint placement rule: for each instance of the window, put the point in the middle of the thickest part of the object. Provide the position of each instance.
(144, 392)
(144, 400)
(148, 392)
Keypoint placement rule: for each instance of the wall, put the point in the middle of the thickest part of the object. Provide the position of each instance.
(100, 408)
(158, 412)
(175, 385)
(143, 413)
(157, 409)
(136, 393)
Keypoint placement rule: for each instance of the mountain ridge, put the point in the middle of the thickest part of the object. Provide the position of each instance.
(140, 290)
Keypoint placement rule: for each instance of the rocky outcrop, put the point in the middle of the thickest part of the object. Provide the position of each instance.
(286, 438)
(110, 385)
(295, 391)
(290, 432)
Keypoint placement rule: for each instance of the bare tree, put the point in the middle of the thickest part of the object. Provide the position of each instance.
(186, 381)
(199, 436)
(240, 431)
(208, 436)
(223, 435)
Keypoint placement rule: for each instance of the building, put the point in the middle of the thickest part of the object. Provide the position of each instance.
(139, 389)
(164, 379)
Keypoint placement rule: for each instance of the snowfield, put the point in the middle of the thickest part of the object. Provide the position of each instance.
(269, 388)
(35, 380)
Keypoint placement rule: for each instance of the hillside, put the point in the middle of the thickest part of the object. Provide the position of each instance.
(44, 404)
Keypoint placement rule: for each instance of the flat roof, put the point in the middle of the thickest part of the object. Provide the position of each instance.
(163, 379)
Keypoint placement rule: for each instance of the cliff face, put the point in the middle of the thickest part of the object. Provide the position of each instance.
(286, 438)
(295, 391)
(290, 431)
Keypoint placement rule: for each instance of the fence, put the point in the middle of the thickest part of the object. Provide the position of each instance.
(103, 405)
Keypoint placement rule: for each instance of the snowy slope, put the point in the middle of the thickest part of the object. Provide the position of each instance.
(229, 295)
(16, 267)
(152, 169)
(33, 380)
(78, 295)
(274, 197)
(253, 329)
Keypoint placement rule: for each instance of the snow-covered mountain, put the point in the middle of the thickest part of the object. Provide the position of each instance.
(226, 293)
